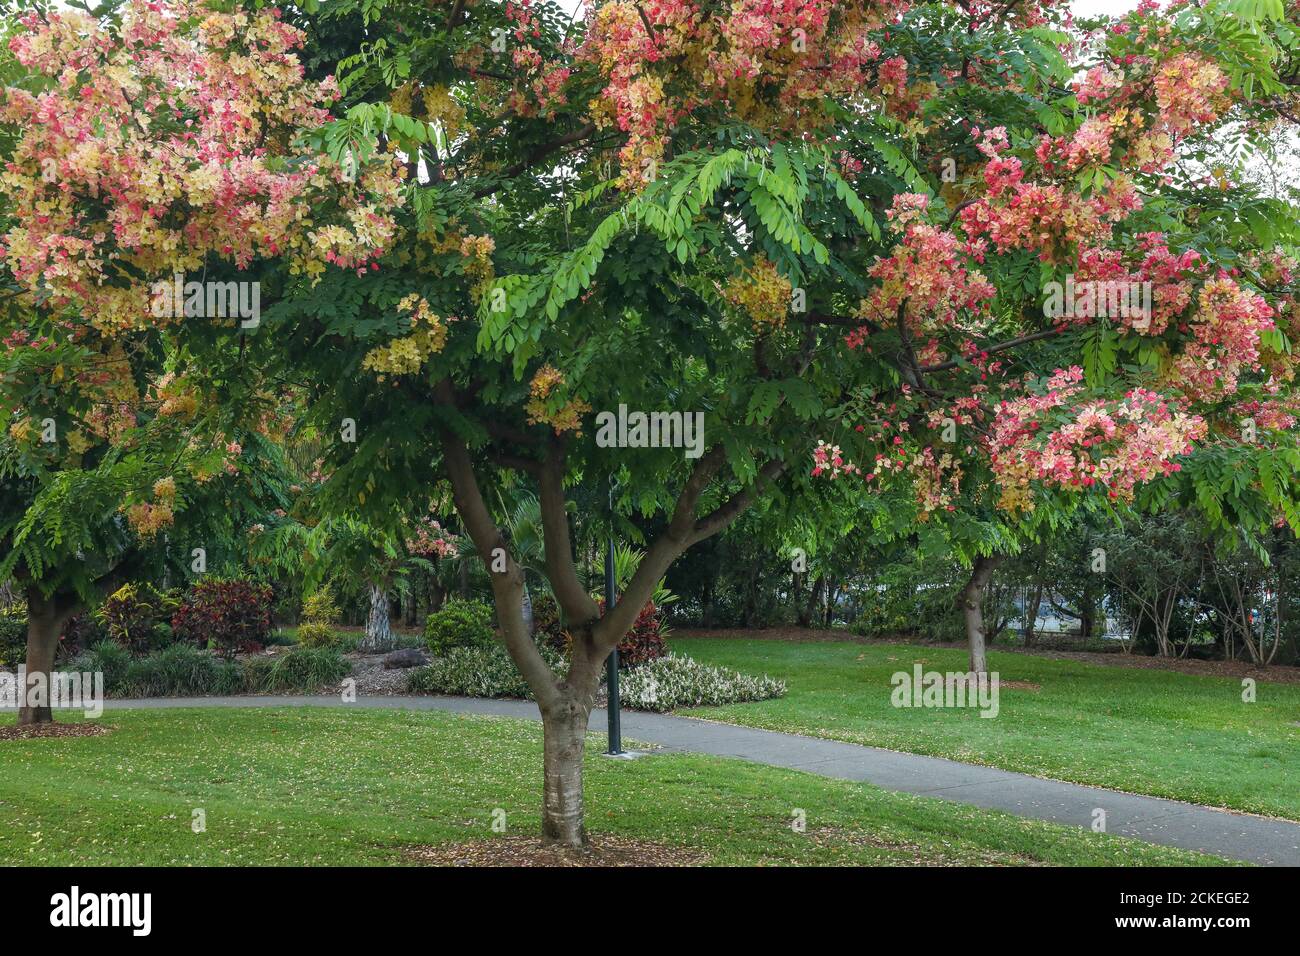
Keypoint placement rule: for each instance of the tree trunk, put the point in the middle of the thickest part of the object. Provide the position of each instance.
(45, 618)
(1031, 614)
(564, 730)
(810, 606)
(1087, 617)
(972, 605)
(379, 630)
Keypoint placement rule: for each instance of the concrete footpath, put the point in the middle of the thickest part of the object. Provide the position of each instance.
(1152, 819)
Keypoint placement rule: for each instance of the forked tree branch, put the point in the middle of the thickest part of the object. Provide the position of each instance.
(507, 585)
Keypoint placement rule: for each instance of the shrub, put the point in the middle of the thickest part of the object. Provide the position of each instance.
(179, 671)
(320, 607)
(546, 623)
(81, 631)
(673, 681)
(476, 672)
(459, 624)
(135, 617)
(645, 641)
(13, 635)
(316, 634)
(234, 614)
(106, 657)
(301, 669)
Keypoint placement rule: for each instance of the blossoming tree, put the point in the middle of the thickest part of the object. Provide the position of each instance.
(146, 142)
(803, 220)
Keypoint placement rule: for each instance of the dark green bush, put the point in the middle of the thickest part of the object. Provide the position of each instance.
(106, 657)
(180, 671)
(302, 669)
(183, 670)
(136, 616)
(13, 635)
(459, 624)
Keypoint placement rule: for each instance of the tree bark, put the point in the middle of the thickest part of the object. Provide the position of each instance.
(564, 729)
(379, 629)
(45, 618)
(810, 606)
(1031, 614)
(565, 703)
(972, 605)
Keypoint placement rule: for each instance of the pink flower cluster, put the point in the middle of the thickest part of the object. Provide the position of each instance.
(928, 276)
(1226, 329)
(150, 152)
(431, 540)
(1062, 439)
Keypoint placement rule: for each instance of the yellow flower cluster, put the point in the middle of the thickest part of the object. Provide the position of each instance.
(21, 430)
(763, 293)
(176, 398)
(164, 489)
(441, 107)
(541, 405)
(148, 519)
(407, 355)
(477, 251)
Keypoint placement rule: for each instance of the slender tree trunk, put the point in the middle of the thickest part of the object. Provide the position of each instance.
(564, 730)
(810, 606)
(45, 618)
(379, 629)
(971, 602)
(1087, 617)
(1031, 614)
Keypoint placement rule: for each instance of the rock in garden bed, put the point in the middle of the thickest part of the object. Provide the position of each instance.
(406, 657)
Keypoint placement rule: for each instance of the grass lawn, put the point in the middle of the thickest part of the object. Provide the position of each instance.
(1144, 731)
(305, 786)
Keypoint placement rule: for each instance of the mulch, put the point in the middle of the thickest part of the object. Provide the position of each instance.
(1275, 673)
(33, 731)
(605, 850)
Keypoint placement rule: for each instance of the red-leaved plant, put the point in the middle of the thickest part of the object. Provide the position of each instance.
(234, 614)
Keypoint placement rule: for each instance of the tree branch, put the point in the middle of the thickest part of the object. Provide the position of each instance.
(561, 570)
(508, 585)
(1000, 347)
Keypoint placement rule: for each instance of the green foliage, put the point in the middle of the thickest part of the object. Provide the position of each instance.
(178, 671)
(183, 670)
(459, 624)
(13, 635)
(316, 634)
(137, 615)
(320, 607)
(476, 671)
(106, 657)
(299, 670)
